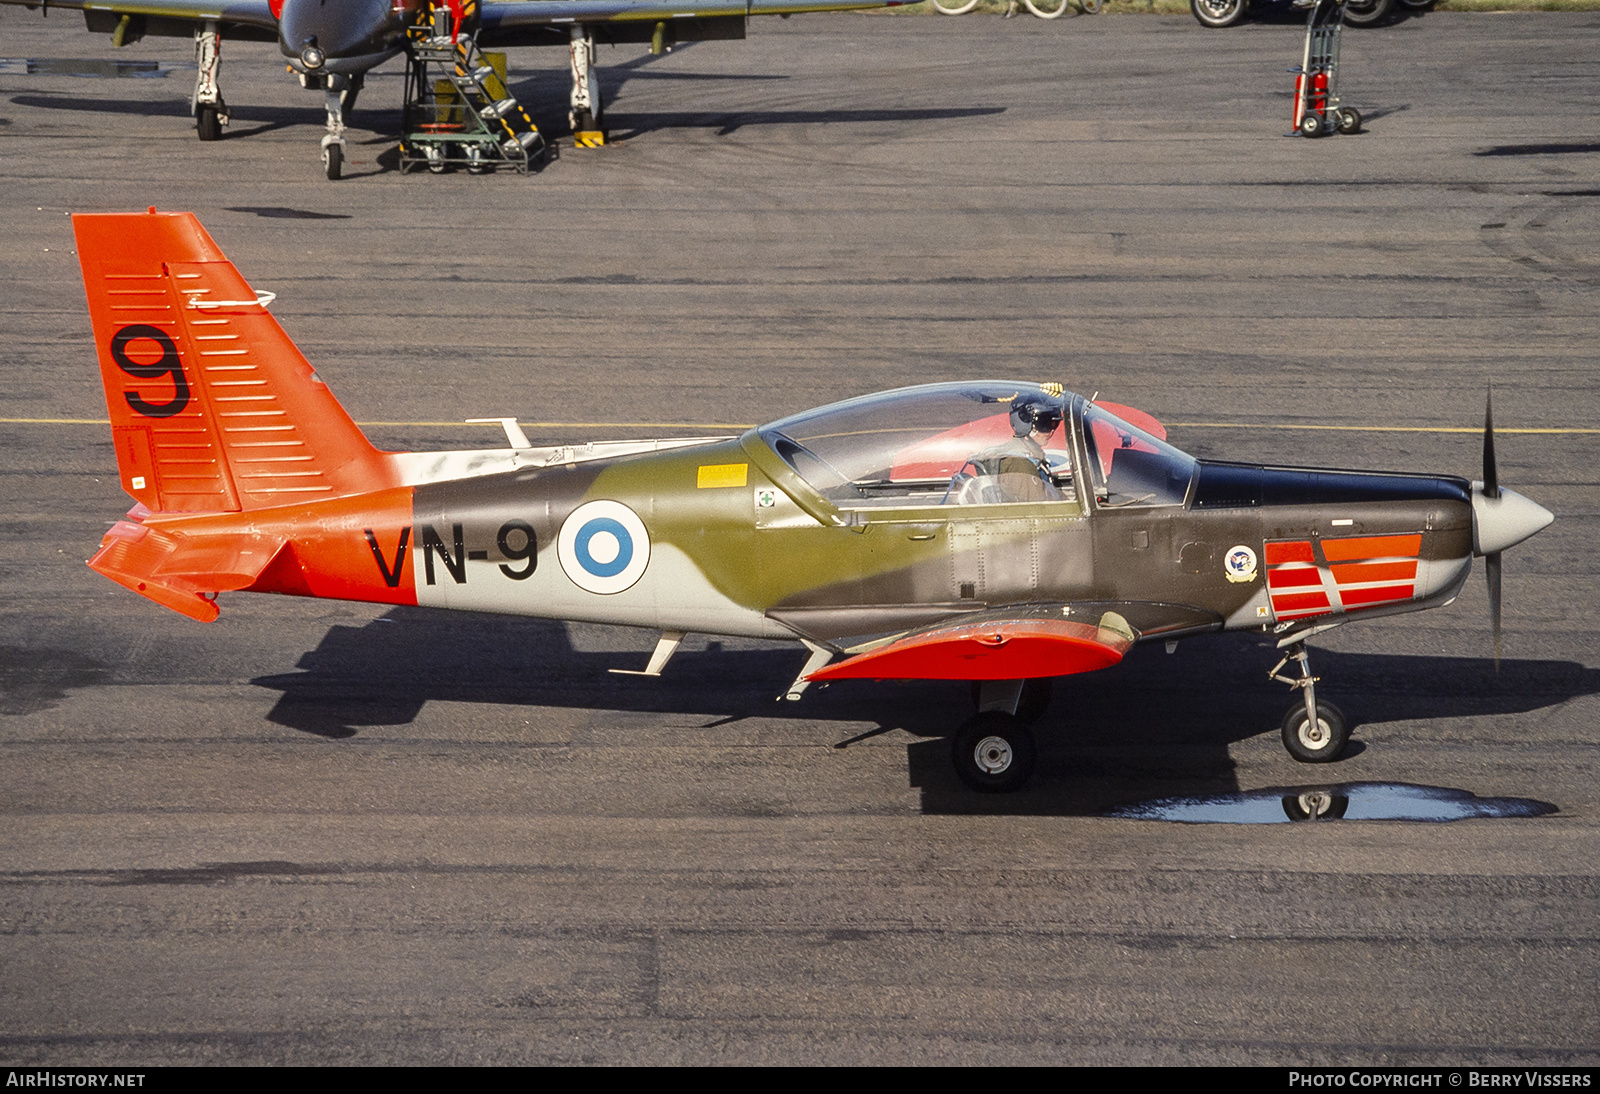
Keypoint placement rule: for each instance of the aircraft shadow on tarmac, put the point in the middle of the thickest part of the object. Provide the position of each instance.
(1154, 726)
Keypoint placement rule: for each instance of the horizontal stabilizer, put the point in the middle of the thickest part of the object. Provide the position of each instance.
(181, 572)
(994, 649)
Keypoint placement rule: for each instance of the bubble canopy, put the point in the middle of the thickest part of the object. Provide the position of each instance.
(914, 446)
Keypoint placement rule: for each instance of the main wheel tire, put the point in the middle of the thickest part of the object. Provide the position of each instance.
(208, 123)
(954, 9)
(1043, 9)
(1315, 803)
(1368, 13)
(1031, 704)
(1318, 744)
(333, 161)
(1311, 124)
(993, 752)
(1349, 120)
(1417, 5)
(1219, 13)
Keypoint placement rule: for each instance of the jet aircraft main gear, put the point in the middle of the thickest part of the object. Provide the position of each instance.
(588, 131)
(210, 112)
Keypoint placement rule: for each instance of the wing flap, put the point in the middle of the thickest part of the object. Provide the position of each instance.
(993, 649)
(180, 572)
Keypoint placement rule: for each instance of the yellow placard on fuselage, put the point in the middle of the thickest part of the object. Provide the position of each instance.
(722, 474)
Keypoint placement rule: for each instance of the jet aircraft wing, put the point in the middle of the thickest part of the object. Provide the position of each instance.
(254, 13)
(504, 14)
(1022, 642)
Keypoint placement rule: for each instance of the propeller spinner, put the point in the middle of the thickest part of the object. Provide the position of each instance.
(1500, 519)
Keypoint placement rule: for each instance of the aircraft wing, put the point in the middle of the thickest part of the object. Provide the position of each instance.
(255, 13)
(1021, 643)
(505, 14)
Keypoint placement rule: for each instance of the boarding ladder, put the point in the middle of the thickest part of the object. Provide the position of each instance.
(458, 111)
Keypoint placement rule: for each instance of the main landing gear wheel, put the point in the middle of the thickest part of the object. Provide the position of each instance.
(333, 161)
(1043, 9)
(1315, 744)
(954, 8)
(1349, 120)
(1311, 124)
(1218, 13)
(208, 123)
(993, 753)
(1367, 13)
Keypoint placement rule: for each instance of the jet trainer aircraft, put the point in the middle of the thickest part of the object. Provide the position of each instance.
(332, 44)
(1003, 533)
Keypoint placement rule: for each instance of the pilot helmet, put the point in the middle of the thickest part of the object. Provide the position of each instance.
(1034, 412)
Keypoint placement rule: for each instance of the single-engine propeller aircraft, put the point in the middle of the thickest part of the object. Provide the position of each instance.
(1003, 533)
(332, 44)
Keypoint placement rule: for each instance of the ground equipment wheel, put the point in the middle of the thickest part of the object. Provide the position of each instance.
(333, 160)
(1315, 744)
(1219, 13)
(208, 123)
(993, 753)
(1367, 13)
(1043, 9)
(1315, 803)
(1031, 704)
(1349, 120)
(1311, 124)
(1091, 7)
(435, 159)
(953, 8)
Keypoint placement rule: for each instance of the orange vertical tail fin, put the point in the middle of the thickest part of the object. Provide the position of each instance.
(213, 409)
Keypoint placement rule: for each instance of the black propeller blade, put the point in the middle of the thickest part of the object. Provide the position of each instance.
(1491, 474)
(1491, 489)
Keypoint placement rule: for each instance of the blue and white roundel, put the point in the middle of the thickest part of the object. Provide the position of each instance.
(603, 547)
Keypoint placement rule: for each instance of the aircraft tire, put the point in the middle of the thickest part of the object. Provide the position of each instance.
(993, 753)
(207, 124)
(1042, 8)
(1218, 13)
(1315, 803)
(1368, 13)
(333, 160)
(1033, 702)
(1322, 745)
(958, 7)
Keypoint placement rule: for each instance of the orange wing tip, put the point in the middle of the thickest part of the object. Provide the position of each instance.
(996, 650)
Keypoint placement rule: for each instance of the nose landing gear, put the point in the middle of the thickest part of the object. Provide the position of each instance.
(210, 112)
(1314, 732)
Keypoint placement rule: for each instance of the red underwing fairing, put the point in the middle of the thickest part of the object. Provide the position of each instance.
(997, 532)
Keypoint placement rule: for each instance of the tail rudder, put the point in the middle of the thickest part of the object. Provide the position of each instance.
(213, 408)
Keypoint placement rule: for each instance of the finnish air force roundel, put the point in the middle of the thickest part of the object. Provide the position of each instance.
(603, 547)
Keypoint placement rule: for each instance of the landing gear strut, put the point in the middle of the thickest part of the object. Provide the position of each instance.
(587, 129)
(210, 112)
(1313, 732)
(338, 95)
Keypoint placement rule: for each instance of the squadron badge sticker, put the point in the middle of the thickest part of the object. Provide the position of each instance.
(603, 547)
(1239, 564)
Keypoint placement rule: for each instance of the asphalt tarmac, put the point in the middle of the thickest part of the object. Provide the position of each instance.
(325, 832)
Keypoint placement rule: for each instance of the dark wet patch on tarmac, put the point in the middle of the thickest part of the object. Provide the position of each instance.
(92, 67)
(1344, 801)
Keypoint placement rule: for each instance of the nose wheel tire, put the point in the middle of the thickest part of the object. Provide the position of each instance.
(993, 752)
(1319, 743)
(1218, 13)
(333, 161)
